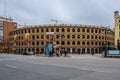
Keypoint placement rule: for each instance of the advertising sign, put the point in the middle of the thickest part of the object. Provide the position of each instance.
(49, 36)
(27, 39)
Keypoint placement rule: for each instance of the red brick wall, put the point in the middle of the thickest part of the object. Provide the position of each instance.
(7, 27)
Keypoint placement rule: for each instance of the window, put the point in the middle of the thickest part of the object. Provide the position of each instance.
(63, 43)
(73, 30)
(95, 31)
(68, 29)
(88, 30)
(78, 30)
(73, 43)
(25, 31)
(92, 31)
(78, 42)
(57, 36)
(88, 36)
(73, 36)
(78, 36)
(96, 43)
(63, 30)
(37, 37)
(42, 30)
(95, 37)
(33, 37)
(52, 30)
(88, 43)
(33, 43)
(63, 36)
(99, 37)
(92, 37)
(83, 43)
(33, 31)
(57, 30)
(92, 43)
(68, 42)
(83, 30)
(37, 30)
(29, 31)
(83, 36)
(47, 30)
(68, 36)
(57, 42)
(37, 42)
(42, 43)
(42, 36)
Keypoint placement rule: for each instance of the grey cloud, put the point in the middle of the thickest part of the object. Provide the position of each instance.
(93, 12)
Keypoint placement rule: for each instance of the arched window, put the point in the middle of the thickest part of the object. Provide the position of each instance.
(63, 42)
(68, 42)
(95, 37)
(83, 43)
(63, 36)
(37, 42)
(47, 30)
(78, 30)
(96, 43)
(57, 42)
(33, 31)
(63, 30)
(37, 37)
(37, 30)
(88, 31)
(33, 37)
(57, 36)
(42, 43)
(73, 30)
(92, 43)
(78, 43)
(73, 43)
(42, 30)
(88, 36)
(52, 30)
(68, 36)
(42, 36)
(83, 30)
(73, 36)
(88, 43)
(33, 43)
(78, 36)
(68, 29)
(57, 30)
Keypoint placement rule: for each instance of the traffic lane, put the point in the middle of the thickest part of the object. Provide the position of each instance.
(29, 71)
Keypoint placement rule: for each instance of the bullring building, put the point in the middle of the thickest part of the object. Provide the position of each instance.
(82, 39)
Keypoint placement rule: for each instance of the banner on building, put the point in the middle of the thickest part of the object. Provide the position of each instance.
(15, 39)
(49, 36)
(27, 39)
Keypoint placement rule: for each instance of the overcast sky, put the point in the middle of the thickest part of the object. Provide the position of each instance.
(36, 12)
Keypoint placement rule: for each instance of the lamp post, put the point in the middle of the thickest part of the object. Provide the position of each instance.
(106, 43)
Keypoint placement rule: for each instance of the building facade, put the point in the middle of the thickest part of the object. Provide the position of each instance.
(6, 26)
(117, 27)
(77, 38)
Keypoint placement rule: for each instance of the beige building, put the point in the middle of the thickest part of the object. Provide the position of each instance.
(117, 27)
(78, 38)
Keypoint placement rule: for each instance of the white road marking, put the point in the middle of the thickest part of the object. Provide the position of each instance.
(10, 66)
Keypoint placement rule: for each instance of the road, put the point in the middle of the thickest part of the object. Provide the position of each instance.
(80, 67)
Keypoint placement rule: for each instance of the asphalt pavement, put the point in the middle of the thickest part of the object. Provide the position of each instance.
(76, 67)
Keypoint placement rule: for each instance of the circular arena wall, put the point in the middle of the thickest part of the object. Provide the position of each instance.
(81, 39)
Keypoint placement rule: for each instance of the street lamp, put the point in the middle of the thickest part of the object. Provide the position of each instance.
(106, 43)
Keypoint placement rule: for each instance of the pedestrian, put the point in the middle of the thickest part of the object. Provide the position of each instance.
(92, 52)
(65, 52)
